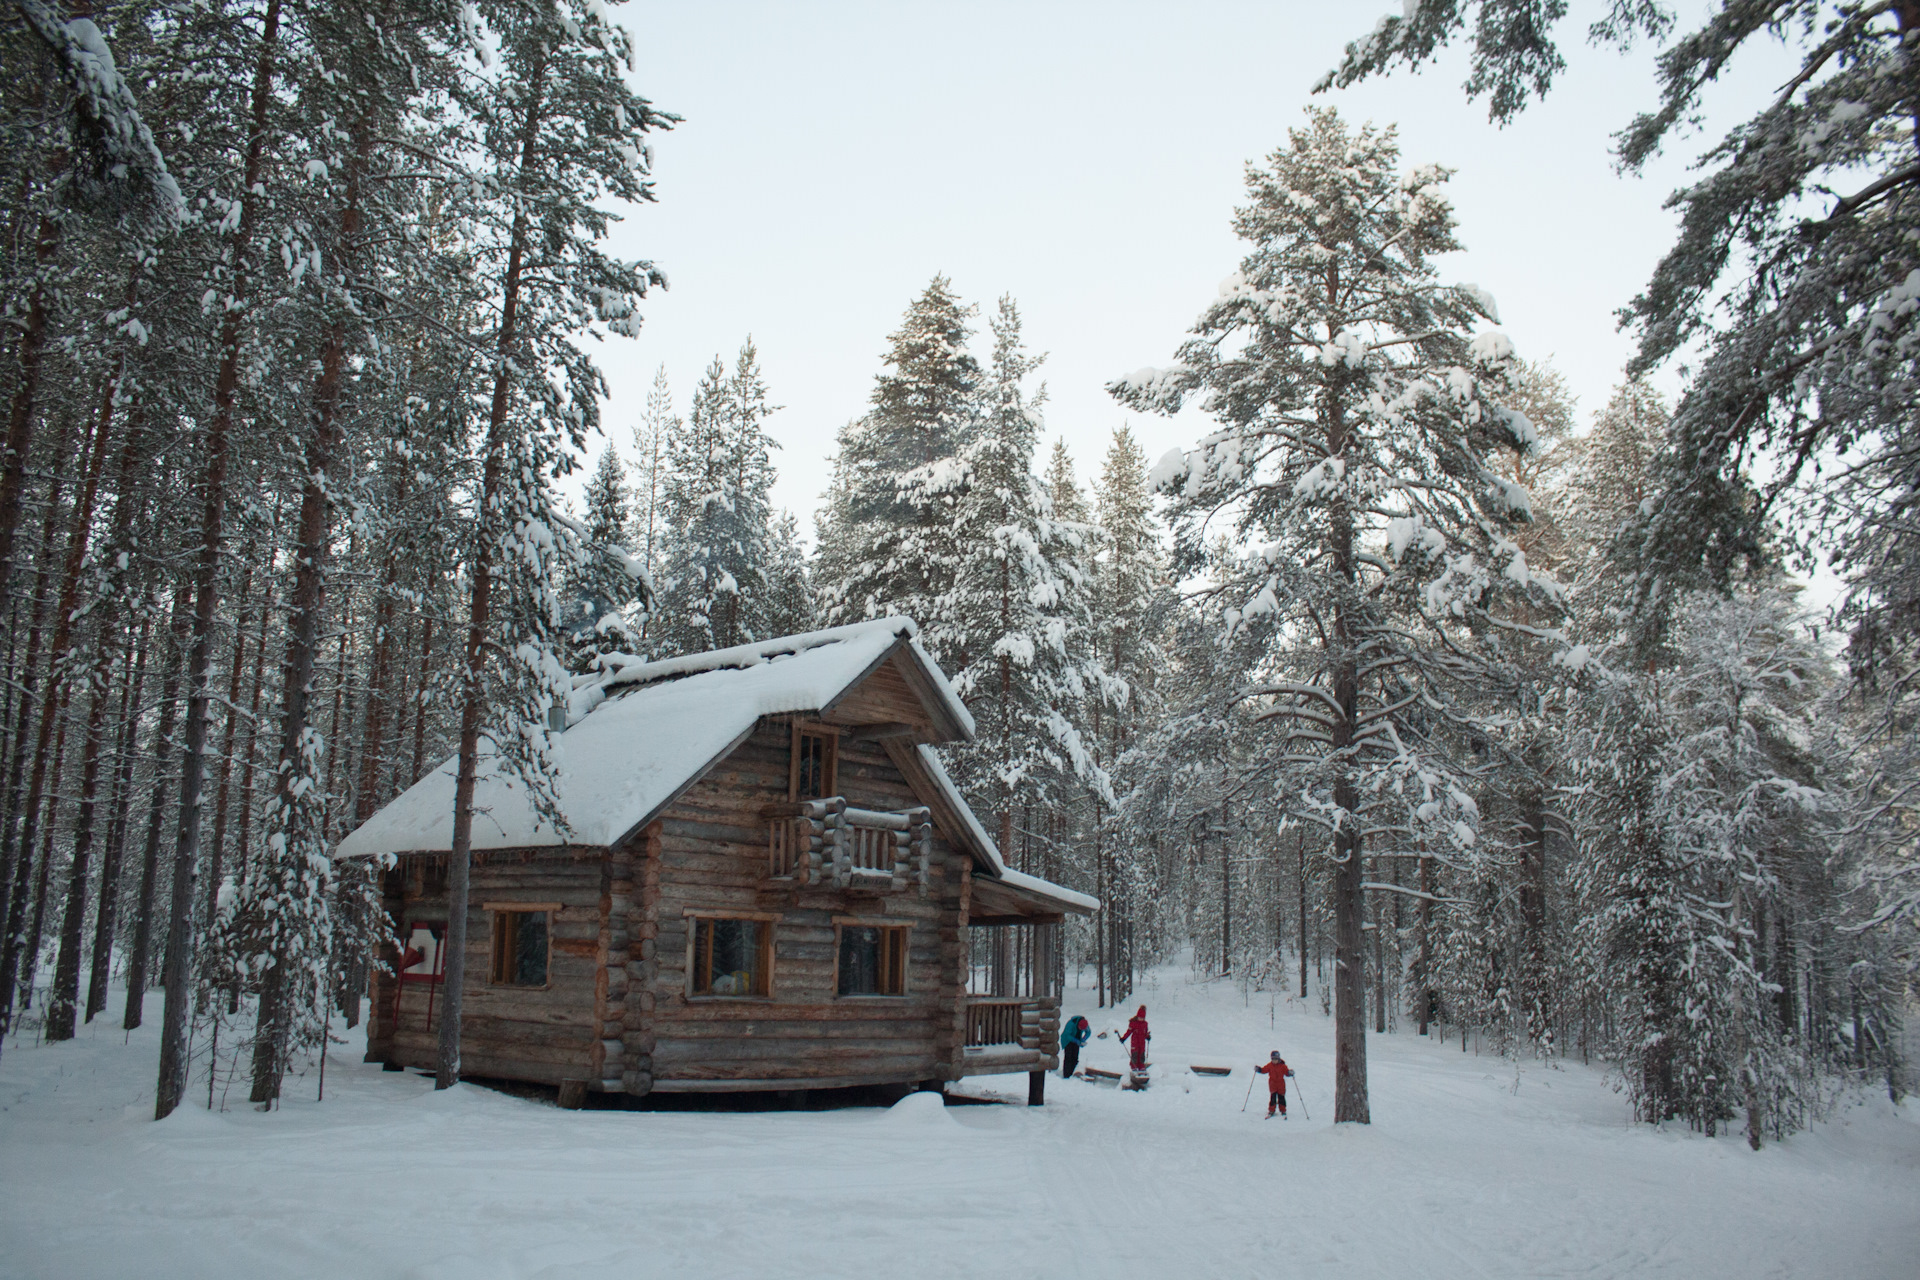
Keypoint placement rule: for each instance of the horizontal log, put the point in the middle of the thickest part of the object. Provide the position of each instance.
(424, 1051)
(793, 1069)
(785, 1030)
(911, 1074)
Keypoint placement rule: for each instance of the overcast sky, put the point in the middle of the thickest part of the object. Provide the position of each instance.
(1085, 158)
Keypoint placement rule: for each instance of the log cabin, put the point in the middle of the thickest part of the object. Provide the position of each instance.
(766, 880)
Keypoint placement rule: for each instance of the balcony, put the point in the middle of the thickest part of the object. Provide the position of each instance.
(830, 844)
(1010, 1033)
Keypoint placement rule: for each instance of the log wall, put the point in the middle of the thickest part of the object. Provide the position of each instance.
(712, 853)
(542, 1034)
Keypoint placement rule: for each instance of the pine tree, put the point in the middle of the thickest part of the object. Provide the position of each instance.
(1795, 268)
(718, 513)
(1133, 599)
(657, 426)
(560, 134)
(1356, 404)
(1001, 625)
(885, 541)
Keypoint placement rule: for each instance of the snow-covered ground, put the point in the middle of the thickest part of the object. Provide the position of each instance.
(1467, 1170)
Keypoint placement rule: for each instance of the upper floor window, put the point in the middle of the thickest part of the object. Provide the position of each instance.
(816, 759)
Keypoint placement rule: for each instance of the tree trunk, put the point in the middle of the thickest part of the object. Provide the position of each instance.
(236, 671)
(33, 343)
(58, 655)
(1533, 915)
(172, 1082)
(36, 932)
(139, 960)
(293, 807)
(480, 619)
(106, 918)
(1426, 941)
(63, 999)
(1301, 937)
(18, 839)
(1349, 899)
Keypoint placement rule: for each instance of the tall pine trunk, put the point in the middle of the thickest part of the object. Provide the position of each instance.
(26, 387)
(293, 804)
(48, 704)
(139, 958)
(480, 619)
(112, 868)
(1349, 898)
(172, 1083)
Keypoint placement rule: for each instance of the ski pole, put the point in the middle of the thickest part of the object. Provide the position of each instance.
(1249, 1098)
(1302, 1095)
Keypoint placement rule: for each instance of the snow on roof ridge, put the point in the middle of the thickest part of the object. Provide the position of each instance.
(633, 671)
(930, 758)
(622, 671)
(935, 766)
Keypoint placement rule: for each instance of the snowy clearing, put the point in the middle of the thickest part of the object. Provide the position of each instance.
(1468, 1170)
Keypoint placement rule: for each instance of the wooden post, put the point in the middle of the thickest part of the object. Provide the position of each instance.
(1036, 1088)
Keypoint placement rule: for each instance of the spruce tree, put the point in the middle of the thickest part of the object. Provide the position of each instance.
(789, 607)
(1001, 627)
(608, 520)
(886, 544)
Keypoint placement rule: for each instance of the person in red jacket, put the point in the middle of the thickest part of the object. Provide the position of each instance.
(1137, 1033)
(1276, 1070)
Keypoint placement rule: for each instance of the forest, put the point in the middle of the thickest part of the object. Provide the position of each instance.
(1407, 685)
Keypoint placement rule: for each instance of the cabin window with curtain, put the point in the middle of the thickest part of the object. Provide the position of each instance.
(873, 959)
(731, 957)
(519, 947)
(816, 757)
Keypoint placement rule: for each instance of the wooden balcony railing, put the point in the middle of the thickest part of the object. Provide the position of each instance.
(1012, 1022)
(828, 843)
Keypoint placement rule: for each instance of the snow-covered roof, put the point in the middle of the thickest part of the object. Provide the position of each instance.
(978, 842)
(640, 733)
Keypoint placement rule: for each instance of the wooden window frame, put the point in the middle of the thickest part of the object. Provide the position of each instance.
(499, 959)
(903, 962)
(830, 766)
(694, 917)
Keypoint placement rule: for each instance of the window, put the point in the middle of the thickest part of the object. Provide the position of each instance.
(731, 957)
(519, 947)
(873, 959)
(816, 756)
(420, 958)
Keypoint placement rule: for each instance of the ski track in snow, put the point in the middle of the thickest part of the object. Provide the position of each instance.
(1470, 1169)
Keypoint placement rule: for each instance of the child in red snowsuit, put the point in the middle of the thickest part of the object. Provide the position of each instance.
(1136, 1032)
(1276, 1071)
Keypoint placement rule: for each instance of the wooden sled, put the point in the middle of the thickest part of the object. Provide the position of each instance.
(1095, 1073)
(1199, 1070)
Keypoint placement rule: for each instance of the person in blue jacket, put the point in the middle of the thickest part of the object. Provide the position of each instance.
(1076, 1033)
